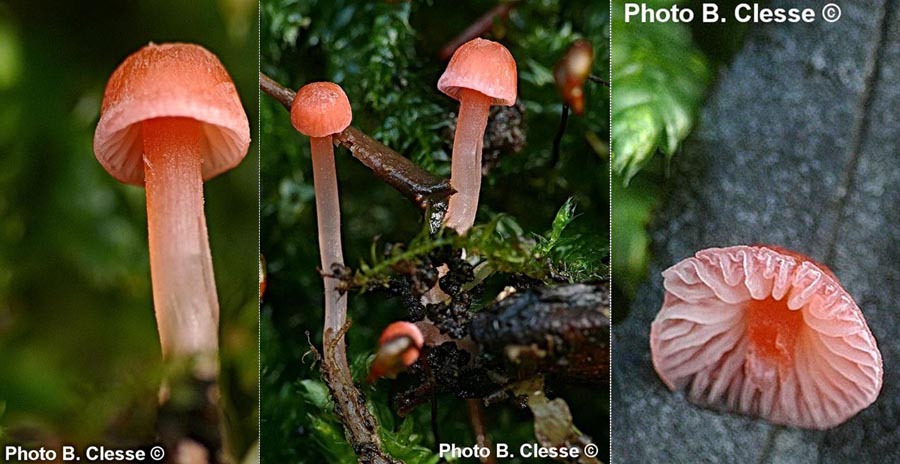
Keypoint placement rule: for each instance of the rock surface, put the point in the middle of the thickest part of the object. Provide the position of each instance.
(799, 146)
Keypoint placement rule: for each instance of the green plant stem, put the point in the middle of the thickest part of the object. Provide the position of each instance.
(563, 121)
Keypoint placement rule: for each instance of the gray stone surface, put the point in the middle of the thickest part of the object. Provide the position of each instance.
(799, 146)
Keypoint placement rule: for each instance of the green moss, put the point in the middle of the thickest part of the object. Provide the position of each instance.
(384, 55)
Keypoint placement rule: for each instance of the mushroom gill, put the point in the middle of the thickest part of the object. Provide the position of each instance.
(765, 332)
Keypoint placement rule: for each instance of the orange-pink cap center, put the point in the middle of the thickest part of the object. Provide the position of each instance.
(321, 109)
(773, 330)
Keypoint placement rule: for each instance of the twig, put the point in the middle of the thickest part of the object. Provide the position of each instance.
(597, 79)
(563, 331)
(560, 331)
(478, 28)
(282, 94)
(564, 120)
(395, 170)
(360, 426)
(413, 182)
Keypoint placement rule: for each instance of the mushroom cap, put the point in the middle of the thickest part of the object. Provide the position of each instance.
(484, 66)
(170, 80)
(402, 329)
(765, 332)
(394, 331)
(321, 109)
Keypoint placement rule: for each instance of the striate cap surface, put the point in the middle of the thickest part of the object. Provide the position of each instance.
(170, 80)
(484, 66)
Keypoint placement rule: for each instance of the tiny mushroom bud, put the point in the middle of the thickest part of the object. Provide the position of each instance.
(766, 332)
(481, 73)
(170, 119)
(320, 110)
(398, 348)
(571, 71)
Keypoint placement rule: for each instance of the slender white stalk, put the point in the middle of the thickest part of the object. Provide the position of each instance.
(328, 213)
(465, 169)
(184, 289)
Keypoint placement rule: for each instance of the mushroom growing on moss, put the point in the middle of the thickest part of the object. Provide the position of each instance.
(481, 73)
(766, 332)
(170, 119)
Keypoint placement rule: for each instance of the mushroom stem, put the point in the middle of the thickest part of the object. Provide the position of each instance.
(184, 289)
(465, 171)
(328, 212)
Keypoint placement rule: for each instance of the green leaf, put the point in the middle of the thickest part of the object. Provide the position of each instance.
(327, 433)
(329, 436)
(564, 217)
(404, 445)
(659, 81)
(315, 393)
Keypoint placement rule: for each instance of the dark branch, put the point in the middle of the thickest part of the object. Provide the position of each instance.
(561, 332)
(360, 426)
(597, 79)
(413, 182)
(478, 28)
(395, 170)
(282, 94)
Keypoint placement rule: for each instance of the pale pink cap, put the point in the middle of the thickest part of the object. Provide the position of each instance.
(765, 332)
(170, 80)
(321, 109)
(484, 66)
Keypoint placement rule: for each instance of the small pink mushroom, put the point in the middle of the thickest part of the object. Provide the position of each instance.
(398, 348)
(766, 332)
(170, 119)
(481, 73)
(320, 110)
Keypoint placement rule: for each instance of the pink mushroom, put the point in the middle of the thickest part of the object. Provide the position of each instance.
(320, 110)
(766, 332)
(398, 348)
(481, 73)
(170, 119)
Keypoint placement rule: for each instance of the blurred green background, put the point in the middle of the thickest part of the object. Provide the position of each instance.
(385, 56)
(79, 353)
(661, 73)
